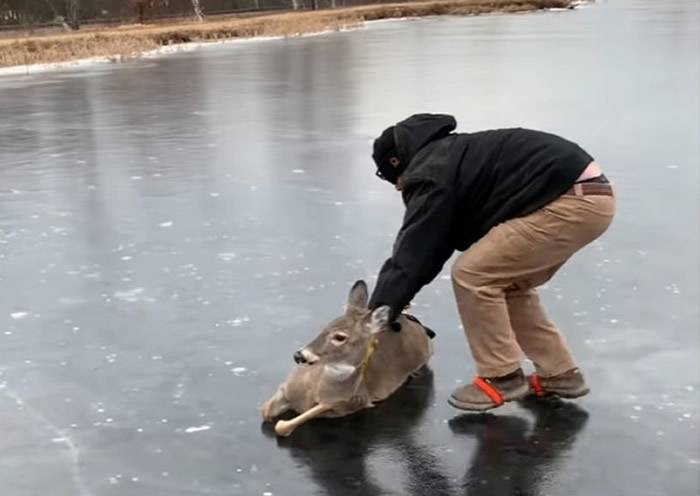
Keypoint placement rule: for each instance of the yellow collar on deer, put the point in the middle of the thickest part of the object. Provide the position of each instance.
(369, 351)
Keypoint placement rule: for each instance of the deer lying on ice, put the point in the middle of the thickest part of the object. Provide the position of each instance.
(356, 361)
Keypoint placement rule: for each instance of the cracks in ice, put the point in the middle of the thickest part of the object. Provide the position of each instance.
(58, 436)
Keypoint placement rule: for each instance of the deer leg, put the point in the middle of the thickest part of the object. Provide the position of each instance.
(275, 406)
(286, 427)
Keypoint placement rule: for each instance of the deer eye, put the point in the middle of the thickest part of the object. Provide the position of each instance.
(339, 337)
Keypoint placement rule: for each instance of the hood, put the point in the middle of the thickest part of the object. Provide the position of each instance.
(414, 133)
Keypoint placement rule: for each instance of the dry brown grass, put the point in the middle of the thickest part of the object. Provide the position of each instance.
(131, 41)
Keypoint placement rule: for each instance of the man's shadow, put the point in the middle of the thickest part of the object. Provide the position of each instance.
(336, 449)
(513, 460)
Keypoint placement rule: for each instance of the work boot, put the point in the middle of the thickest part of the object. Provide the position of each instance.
(570, 384)
(487, 393)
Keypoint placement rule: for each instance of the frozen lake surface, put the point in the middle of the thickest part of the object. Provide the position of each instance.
(172, 229)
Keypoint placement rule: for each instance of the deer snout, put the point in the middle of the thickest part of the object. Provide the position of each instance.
(299, 357)
(305, 357)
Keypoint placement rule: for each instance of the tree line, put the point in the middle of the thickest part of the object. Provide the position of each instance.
(72, 13)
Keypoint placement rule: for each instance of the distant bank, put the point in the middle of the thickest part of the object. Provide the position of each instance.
(114, 44)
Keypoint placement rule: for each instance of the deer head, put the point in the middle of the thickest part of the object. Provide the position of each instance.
(342, 346)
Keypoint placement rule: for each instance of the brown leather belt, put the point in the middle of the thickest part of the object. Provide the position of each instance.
(582, 189)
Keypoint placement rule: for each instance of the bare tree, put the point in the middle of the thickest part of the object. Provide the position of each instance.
(73, 14)
(140, 7)
(57, 17)
(197, 10)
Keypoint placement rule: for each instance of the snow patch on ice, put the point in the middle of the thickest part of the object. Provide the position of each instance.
(238, 321)
(239, 371)
(200, 428)
(130, 295)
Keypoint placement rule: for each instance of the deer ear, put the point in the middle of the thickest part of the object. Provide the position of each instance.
(379, 319)
(358, 297)
(339, 371)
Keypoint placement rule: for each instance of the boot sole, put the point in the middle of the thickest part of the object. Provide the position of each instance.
(569, 395)
(518, 394)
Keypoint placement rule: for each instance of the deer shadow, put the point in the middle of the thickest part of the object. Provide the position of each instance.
(335, 450)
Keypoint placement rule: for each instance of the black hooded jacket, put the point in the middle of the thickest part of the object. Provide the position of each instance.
(456, 187)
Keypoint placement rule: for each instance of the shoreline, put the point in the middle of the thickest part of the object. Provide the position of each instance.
(26, 56)
(163, 51)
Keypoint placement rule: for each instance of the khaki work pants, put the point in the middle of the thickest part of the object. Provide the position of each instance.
(495, 280)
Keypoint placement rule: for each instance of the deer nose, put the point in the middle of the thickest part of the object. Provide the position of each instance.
(299, 357)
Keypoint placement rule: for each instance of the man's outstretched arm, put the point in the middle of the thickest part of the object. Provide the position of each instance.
(422, 246)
